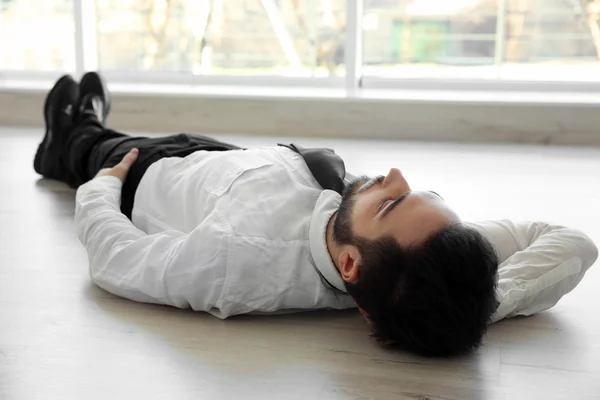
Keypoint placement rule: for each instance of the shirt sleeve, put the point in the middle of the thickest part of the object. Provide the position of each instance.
(127, 262)
(539, 263)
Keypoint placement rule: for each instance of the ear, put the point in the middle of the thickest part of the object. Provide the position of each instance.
(349, 262)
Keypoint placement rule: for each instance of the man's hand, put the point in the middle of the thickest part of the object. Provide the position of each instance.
(121, 169)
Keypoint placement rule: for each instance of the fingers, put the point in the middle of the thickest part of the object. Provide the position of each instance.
(129, 159)
(122, 169)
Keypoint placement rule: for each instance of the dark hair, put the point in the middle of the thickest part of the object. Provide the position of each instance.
(433, 300)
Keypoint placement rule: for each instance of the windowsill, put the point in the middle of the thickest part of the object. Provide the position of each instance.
(545, 117)
(496, 97)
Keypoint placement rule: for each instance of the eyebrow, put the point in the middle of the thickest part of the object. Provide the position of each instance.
(389, 208)
(431, 191)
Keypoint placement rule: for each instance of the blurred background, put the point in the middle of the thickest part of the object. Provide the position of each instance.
(550, 40)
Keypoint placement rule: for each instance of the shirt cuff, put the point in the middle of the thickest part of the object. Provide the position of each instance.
(103, 182)
(109, 186)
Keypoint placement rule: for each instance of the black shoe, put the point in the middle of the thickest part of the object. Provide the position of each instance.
(94, 96)
(59, 110)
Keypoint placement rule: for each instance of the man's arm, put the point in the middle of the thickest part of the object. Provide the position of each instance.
(539, 263)
(146, 268)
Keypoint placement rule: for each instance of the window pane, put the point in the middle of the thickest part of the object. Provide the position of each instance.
(540, 39)
(236, 37)
(551, 40)
(425, 38)
(37, 35)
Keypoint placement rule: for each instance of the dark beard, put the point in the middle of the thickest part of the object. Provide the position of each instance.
(342, 226)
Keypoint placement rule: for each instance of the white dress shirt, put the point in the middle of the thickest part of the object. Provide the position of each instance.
(243, 231)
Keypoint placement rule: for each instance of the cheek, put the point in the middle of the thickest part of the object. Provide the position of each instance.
(362, 218)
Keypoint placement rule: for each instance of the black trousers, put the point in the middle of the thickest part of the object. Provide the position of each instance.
(91, 147)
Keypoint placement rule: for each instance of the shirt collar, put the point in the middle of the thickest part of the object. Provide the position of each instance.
(327, 204)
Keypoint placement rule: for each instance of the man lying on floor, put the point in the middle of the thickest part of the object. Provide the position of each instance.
(189, 221)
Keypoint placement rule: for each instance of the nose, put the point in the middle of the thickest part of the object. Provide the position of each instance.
(396, 179)
(393, 176)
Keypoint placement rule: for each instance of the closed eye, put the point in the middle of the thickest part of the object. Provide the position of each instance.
(384, 202)
(393, 205)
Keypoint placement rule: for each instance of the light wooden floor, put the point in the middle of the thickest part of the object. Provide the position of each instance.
(62, 338)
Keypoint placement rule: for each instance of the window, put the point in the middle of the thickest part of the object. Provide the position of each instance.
(549, 40)
(36, 35)
(303, 38)
(306, 42)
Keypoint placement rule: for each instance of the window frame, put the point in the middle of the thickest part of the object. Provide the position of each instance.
(353, 83)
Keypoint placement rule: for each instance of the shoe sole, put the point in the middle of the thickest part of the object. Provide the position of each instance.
(37, 161)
